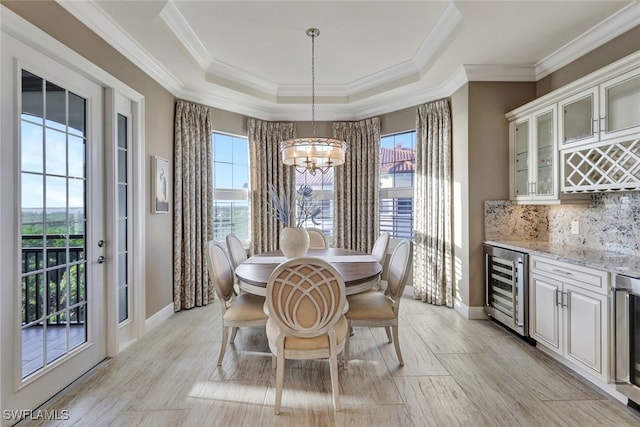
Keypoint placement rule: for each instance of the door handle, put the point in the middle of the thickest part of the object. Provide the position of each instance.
(101, 259)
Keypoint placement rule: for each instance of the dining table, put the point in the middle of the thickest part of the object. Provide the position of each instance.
(359, 270)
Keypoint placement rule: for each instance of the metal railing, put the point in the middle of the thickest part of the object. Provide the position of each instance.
(53, 279)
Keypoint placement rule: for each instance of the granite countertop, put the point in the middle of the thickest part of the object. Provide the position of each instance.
(614, 262)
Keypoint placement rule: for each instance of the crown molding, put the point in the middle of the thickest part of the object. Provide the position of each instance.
(618, 23)
(500, 73)
(101, 23)
(179, 26)
(217, 70)
(437, 39)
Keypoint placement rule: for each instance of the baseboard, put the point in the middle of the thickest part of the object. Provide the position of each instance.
(607, 388)
(158, 318)
(469, 313)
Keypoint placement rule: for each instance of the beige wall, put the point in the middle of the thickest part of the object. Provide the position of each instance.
(488, 150)
(159, 111)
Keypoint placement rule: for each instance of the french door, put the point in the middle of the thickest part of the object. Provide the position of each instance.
(57, 309)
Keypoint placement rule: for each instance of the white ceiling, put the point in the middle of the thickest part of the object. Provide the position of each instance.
(372, 57)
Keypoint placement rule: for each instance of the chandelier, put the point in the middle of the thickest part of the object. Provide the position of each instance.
(313, 153)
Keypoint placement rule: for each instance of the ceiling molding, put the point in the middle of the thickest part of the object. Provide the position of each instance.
(442, 31)
(180, 27)
(239, 76)
(378, 95)
(618, 23)
(500, 73)
(101, 23)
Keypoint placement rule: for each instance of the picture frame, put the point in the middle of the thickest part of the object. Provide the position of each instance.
(161, 186)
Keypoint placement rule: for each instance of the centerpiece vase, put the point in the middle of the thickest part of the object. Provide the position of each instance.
(294, 241)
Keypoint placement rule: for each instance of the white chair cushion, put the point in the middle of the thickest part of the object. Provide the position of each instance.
(370, 306)
(315, 343)
(245, 307)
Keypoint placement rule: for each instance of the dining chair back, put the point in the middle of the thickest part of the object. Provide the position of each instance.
(379, 251)
(305, 299)
(317, 239)
(237, 252)
(377, 309)
(235, 310)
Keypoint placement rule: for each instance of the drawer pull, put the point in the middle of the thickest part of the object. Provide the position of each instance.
(566, 273)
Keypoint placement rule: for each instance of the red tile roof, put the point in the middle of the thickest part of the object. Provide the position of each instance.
(393, 160)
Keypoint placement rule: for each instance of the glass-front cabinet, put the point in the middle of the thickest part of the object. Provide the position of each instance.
(534, 156)
(608, 111)
(578, 119)
(620, 106)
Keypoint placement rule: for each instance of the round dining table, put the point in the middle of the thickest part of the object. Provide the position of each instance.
(360, 270)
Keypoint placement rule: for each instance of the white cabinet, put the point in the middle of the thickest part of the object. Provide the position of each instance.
(578, 118)
(607, 111)
(534, 156)
(568, 313)
(620, 106)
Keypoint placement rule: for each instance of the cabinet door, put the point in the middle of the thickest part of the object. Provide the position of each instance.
(545, 153)
(578, 118)
(585, 314)
(620, 104)
(545, 311)
(522, 139)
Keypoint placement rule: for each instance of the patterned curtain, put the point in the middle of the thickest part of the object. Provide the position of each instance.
(356, 186)
(192, 227)
(267, 168)
(433, 250)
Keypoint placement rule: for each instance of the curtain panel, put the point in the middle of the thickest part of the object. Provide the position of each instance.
(433, 250)
(356, 188)
(192, 227)
(267, 168)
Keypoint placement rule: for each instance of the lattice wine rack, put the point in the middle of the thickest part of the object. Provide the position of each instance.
(606, 167)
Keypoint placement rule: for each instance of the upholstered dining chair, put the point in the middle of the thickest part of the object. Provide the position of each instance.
(317, 239)
(237, 252)
(377, 309)
(305, 301)
(235, 310)
(379, 252)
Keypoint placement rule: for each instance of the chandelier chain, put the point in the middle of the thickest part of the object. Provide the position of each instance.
(313, 83)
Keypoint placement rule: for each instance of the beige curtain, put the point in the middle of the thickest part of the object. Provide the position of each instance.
(433, 250)
(192, 227)
(267, 168)
(356, 186)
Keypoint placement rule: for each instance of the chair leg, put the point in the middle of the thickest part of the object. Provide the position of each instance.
(396, 343)
(273, 361)
(223, 344)
(234, 331)
(387, 329)
(279, 380)
(333, 365)
(345, 352)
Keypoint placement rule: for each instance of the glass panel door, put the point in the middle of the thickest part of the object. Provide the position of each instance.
(545, 153)
(621, 106)
(123, 216)
(522, 158)
(53, 219)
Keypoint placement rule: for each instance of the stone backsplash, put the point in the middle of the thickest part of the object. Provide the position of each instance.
(610, 223)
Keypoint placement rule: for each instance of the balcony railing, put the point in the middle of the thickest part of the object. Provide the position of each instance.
(53, 278)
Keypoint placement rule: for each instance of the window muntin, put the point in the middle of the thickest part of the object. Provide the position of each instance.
(322, 185)
(230, 186)
(397, 176)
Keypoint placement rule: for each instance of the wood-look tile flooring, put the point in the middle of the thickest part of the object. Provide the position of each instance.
(457, 373)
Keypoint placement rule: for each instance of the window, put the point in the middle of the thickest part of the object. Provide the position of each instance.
(230, 187)
(322, 185)
(397, 171)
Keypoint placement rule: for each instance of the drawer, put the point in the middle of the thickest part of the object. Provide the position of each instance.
(585, 277)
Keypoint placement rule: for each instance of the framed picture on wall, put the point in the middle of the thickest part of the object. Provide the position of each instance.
(161, 186)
